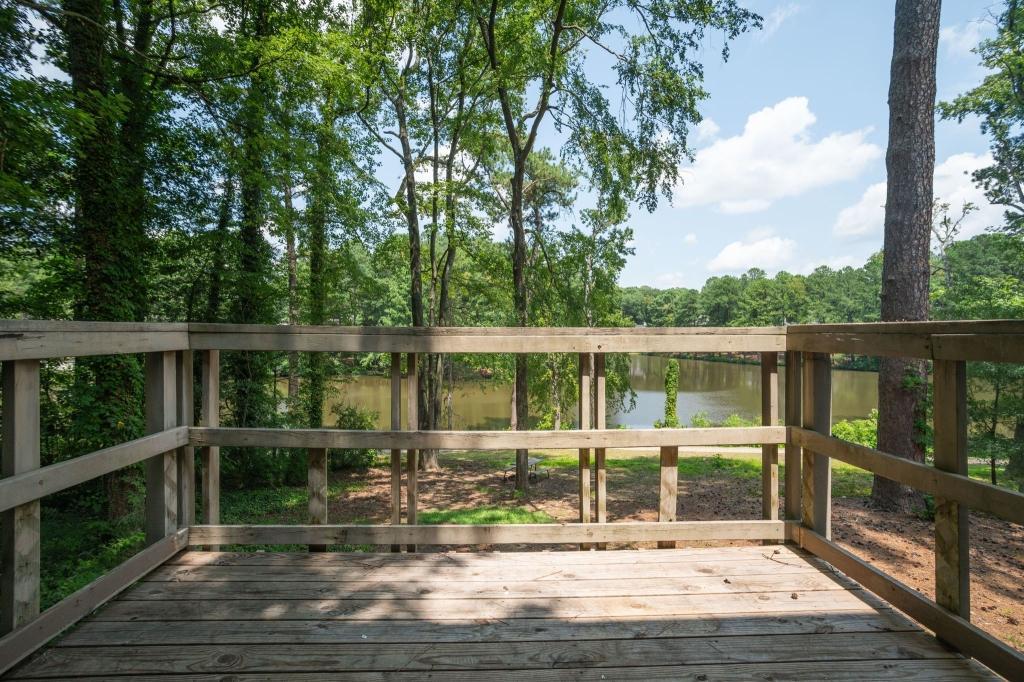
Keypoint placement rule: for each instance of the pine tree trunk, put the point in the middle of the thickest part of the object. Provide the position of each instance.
(293, 287)
(910, 166)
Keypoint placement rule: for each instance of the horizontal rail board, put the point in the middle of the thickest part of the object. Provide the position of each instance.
(18, 644)
(990, 347)
(948, 626)
(32, 485)
(977, 495)
(862, 343)
(42, 339)
(528, 533)
(483, 440)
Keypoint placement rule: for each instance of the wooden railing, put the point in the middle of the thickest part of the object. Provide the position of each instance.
(170, 477)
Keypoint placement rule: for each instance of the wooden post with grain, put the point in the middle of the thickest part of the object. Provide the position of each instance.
(600, 422)
(161, 470)
(396, 454)
(794, 417)
(20, 526)
(952, 545)
(187, 454)
(816, 471)
(668, 493)
(584, 425)
(209, 456)
(770, 453)
(412, 455)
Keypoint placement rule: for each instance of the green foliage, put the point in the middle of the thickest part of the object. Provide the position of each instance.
(860, 431)
(671, 419)
(354, 418)
(485, 515)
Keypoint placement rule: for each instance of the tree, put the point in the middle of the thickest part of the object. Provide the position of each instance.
(910, 166)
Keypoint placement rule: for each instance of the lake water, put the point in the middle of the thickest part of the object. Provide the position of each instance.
(717, 389)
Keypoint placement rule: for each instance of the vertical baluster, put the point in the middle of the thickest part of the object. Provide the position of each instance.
(162, 470)
(770, 453)
(412, 457)
(584, 424)
(794, 417)
(19, 527)
(816, 469)
(187, 454)
(396, 454)
(952, 525)
(209, 456)
(668, 496)
(600, 422)
(317, 485)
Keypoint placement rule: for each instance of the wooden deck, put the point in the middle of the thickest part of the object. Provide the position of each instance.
(762, 612)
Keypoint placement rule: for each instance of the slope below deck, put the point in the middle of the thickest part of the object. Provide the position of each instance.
(767, 612)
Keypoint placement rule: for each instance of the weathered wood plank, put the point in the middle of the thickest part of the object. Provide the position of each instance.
(396, 454)
(209, 456)
(584, 403)
(327, 632)
(38, 483)
(600, 422)
(18, 644)
(979, 346)
(905, 670)
(484, 440)
(794, 418)
(412, 454)
(640, 607)
(527, 533)
(186, 455)
(952, 525)
(19, 525)
(668, 492)
(317, 486)
(161, 470)
(38, 340)
(875, 344)
(1001, 502)
(816, 468)
(442, 656)
(769, 453)
(951, 628)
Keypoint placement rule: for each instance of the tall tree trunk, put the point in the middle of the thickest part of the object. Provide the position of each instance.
(910, 166)
(222, 233)
(319, 190)
(521, 303)
(293, 286)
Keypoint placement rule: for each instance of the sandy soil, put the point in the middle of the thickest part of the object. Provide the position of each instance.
(902, 545)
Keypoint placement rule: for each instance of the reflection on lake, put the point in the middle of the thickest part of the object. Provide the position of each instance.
(717, 389)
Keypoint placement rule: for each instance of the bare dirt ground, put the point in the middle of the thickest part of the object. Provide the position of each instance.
(901, 545)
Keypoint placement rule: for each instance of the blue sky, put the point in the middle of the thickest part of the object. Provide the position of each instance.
(790, 161)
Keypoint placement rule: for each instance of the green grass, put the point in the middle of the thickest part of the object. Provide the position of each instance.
(485, 515)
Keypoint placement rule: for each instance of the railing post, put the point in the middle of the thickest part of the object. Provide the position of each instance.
(952, 545)
(19, 543)
(600, 422)
(412, 456)
(816, 471)
(317, 484)
(162, 470)
(396, 454)
(584, 424)
(669, 489)
(209, 456)
(794, 417)
(770, 453)
(186, 454)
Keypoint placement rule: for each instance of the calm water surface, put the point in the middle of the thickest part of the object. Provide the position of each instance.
(717, 389)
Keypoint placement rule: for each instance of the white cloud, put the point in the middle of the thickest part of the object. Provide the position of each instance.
(959, 40)
(774, 157)
(773, 22)
(707, 129)
(760, 249)
(953, 185)
(669, 280)
(690, 238)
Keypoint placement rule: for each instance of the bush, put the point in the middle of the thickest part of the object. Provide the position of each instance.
(860, 431)
(351, 417)
(701, 420)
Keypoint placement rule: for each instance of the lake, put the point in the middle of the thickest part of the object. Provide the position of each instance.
(717, 389)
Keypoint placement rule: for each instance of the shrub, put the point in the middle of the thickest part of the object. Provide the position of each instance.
(860, 431)
(351, 417)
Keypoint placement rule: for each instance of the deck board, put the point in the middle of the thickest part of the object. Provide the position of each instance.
(715, 613)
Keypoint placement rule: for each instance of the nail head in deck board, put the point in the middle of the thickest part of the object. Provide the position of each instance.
(20, 525)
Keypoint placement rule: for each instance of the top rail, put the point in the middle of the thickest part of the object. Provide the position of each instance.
(995, 340)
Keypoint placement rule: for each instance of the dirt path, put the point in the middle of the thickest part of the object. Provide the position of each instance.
(902, 545)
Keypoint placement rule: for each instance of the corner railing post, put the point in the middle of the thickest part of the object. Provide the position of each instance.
(396, 454)
(584, 424)
(770, 453)
(412, 456)
(186, 455)
(162, 470)
(209, 456)
(794, 417)
(952, 545)
(816, 470)
(600, 422)
(19, 544)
